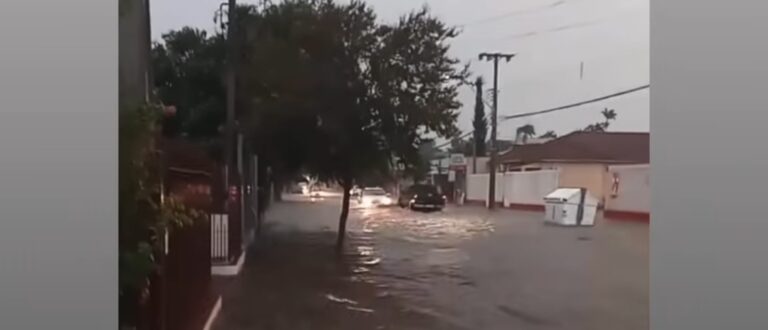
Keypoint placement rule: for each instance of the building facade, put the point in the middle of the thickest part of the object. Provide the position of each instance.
(581, 158)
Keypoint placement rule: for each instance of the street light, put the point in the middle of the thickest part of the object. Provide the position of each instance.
(495, 56)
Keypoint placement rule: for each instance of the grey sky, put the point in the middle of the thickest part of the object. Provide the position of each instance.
(550, 37)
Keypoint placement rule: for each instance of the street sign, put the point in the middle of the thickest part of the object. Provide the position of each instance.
(457, 162)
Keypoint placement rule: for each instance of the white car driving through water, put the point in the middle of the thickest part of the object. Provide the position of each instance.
(374, 196)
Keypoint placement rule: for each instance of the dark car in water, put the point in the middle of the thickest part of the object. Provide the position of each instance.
(421, 197)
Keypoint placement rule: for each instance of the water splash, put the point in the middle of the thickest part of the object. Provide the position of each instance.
(340, 300)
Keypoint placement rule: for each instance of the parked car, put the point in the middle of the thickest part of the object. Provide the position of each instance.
(374, 196)
(296, 189)
(422, 197)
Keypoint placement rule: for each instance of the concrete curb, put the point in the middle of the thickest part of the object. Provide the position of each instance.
(229, 270)
(213, 315)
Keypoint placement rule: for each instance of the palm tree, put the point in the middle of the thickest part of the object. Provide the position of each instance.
(609, 114)
(548, 135)
(526, 131)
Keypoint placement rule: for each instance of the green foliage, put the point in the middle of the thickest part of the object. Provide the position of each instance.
(135, 265)
(548, 134)
(525, 132)
(173, 213)
(136, 176)
(321, 86)
(608, 115)
(142, 218)
(188, 70)
(342, 94)
(135, 256)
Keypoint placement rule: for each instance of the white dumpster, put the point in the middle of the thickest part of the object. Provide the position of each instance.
(570, 207)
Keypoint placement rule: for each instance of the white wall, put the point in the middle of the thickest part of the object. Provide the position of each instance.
(634, 193)
(514, 187)
(477, 187)
(482, 165)
(529, 188)
(590, 176)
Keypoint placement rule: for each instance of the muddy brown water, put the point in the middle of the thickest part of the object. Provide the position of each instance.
(462, 268)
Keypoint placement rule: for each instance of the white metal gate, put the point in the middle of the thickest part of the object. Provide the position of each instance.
(219, 237)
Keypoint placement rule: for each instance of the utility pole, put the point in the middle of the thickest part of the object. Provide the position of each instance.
(494, 152)
(229, 136)
(474, 157)
(233, 146)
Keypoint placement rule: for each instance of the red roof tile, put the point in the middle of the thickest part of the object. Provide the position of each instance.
(591, 147)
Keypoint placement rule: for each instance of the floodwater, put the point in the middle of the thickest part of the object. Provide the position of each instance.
(461, 268)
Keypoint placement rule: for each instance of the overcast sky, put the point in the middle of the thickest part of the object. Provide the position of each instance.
(550, 37)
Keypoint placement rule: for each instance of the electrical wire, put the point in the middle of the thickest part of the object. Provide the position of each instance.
(527, 114)
(572, 105)
(514, 13)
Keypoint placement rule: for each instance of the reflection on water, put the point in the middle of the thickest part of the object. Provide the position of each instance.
(424, 227)
(340, 300)
(426, 254)
(360, 309)
(296, 269)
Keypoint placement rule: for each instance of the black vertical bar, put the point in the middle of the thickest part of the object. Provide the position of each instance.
(580, 213)
(494, 114)
(218, 236)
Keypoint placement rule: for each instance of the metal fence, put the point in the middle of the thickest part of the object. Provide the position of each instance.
(219, 238)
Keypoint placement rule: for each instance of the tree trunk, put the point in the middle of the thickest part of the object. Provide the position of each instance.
(347, 185)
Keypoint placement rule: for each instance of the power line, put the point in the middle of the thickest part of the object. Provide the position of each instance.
(573, 105)
(527, 114)
(515, 13)
(560, 28)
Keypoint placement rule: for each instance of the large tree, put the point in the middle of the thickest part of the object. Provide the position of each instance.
(188, 70)
(322, 87)
(480, 122)
(189, 66)
(344, 96)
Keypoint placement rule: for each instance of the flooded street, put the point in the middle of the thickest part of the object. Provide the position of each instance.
(462, 268)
